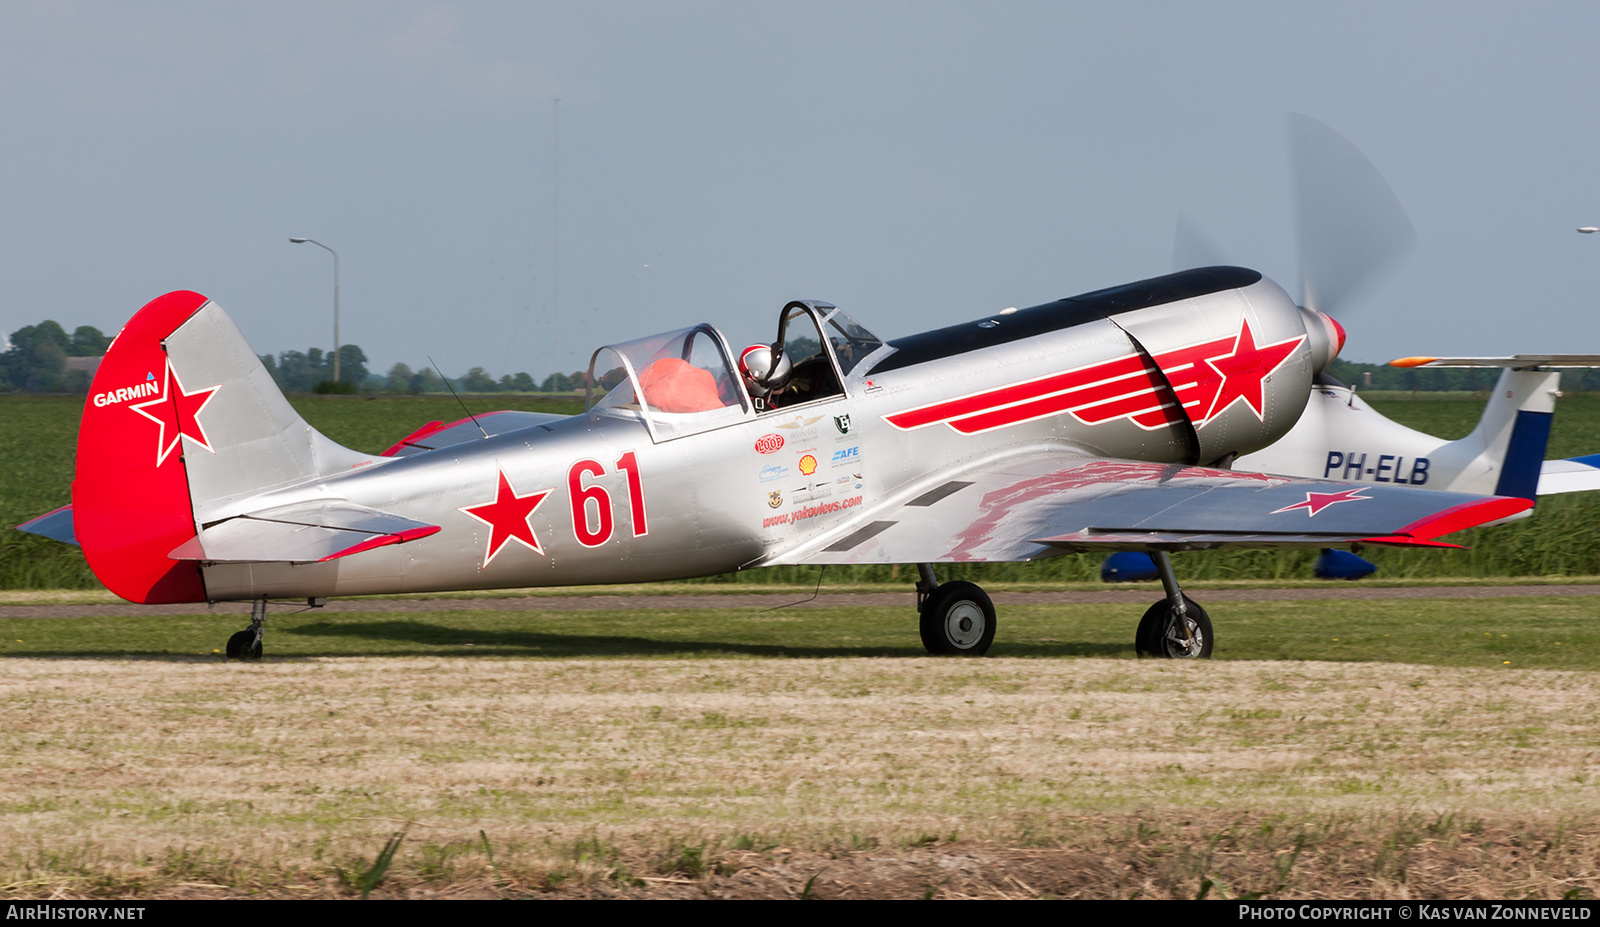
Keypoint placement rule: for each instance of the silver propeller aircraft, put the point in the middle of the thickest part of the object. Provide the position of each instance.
(1106, 421)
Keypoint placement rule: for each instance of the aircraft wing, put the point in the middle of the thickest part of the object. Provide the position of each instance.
(1034, 507)
(301, 533)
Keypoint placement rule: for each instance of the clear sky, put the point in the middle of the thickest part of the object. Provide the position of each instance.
(918, 163)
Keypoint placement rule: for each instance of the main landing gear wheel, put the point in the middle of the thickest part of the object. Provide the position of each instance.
(958, 620)
(1162, 635)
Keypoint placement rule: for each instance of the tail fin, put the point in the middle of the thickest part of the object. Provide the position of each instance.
(1506, 449)
(181, 422)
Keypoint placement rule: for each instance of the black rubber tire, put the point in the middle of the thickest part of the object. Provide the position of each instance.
(958, 621)
(239, 642)
(243, 646)
(1151, 640)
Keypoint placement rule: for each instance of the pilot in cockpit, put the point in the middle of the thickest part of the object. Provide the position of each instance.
(763, 379)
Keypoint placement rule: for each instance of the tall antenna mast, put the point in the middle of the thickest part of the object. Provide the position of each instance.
(555, 243)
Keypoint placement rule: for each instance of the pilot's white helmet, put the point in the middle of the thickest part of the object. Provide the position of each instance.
(756, 369)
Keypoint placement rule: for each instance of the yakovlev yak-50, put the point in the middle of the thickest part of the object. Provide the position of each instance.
(1106, 421)
(1102, 422)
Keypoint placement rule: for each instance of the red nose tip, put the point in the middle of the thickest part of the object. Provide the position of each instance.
(1338, 330)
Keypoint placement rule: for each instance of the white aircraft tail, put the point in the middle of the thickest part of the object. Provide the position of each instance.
(1504, 453)
(1341, 437)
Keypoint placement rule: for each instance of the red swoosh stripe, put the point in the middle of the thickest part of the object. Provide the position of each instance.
(1126, 386)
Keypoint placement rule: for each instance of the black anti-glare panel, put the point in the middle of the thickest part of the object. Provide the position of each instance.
(1063, 313)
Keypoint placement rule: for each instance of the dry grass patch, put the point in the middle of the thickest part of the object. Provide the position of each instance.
(585, 776)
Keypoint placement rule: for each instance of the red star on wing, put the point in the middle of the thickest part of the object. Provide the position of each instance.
(1317, 501)
(1243, 370)
(179, 410)
(507, 518)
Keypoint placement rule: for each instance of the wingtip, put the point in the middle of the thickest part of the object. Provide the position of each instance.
(1412, 361)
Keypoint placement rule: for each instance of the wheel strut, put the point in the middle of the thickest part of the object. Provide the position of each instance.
(246, 645)
(1174, 627)
(1169, 582)
(927, 585)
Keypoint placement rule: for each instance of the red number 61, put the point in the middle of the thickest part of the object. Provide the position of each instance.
(580, 496)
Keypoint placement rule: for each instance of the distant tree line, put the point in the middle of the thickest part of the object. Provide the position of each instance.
(402, 379)
(38, 360)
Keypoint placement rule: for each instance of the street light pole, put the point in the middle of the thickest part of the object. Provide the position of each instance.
(304, 241)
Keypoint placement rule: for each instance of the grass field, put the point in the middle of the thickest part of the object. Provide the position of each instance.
(1416, 749)
(37, 450)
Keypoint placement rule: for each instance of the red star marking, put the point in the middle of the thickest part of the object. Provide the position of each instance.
(1243, 370)
(507, 518)
(178, 410)
(1317, 501)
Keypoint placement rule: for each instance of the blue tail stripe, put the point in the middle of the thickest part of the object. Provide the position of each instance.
(1519, 474)
(1592, 460)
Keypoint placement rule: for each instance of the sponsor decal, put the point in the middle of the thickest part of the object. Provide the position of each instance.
(810, 511)
(811, 492)
(769, 444)
(772, 472)
(801, 422)
(808, 465)
(148, 388)
(775, 499)
(847, 455)
(842, 423)
(1317, 501)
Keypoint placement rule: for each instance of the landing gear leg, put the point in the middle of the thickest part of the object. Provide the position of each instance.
(246, 645)
(1175, 627)
(957, 618)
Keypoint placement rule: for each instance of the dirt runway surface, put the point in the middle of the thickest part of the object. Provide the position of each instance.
(854, 777)
(1141, 594)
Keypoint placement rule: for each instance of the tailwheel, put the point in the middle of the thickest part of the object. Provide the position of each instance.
(246, 645)
(1163, 633)
(957, 620)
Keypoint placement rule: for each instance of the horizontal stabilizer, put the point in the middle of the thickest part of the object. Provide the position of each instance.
(1518, 361)
(435, 435)
(301, 533)
(57, 526)
(1574, 474)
